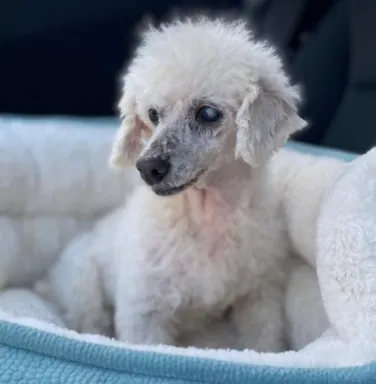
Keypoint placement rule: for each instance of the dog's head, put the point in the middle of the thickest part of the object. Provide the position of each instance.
(198, 94)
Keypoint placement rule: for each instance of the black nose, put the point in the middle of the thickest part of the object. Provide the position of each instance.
(153, 170)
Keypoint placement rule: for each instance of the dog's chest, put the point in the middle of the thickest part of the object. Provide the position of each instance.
(192, 250)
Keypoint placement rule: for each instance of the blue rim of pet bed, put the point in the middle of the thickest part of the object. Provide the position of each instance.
(30, 355)
(42, 357)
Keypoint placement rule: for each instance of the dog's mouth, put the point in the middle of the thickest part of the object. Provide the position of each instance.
(169, 191)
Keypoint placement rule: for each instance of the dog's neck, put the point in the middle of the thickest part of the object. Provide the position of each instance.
(222, 192)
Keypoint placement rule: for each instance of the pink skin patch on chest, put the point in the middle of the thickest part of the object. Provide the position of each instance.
(211, 213)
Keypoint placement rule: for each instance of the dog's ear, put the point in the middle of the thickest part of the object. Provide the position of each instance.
(266, 119)
(128, 140)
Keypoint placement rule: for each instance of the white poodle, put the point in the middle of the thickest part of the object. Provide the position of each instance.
(203, 240)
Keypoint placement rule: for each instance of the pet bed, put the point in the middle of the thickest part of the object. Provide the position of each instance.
(54, 183)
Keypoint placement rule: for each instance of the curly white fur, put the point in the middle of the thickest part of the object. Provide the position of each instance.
(214, 258)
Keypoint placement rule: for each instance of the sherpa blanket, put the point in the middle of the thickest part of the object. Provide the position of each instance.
(54, 183)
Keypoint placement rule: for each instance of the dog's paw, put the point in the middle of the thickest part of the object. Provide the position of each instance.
(142, 329)
(99, 323)
(144, 338)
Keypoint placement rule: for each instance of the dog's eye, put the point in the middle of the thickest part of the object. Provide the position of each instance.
(208, 114)
(153, 115)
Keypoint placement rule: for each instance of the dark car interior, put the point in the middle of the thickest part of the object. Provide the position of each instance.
(64, 57)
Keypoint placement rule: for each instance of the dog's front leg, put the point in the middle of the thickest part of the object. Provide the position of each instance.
(259, 322)
(140, 318)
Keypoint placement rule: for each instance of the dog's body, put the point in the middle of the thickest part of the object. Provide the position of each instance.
(204, 108)
(179, 263)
